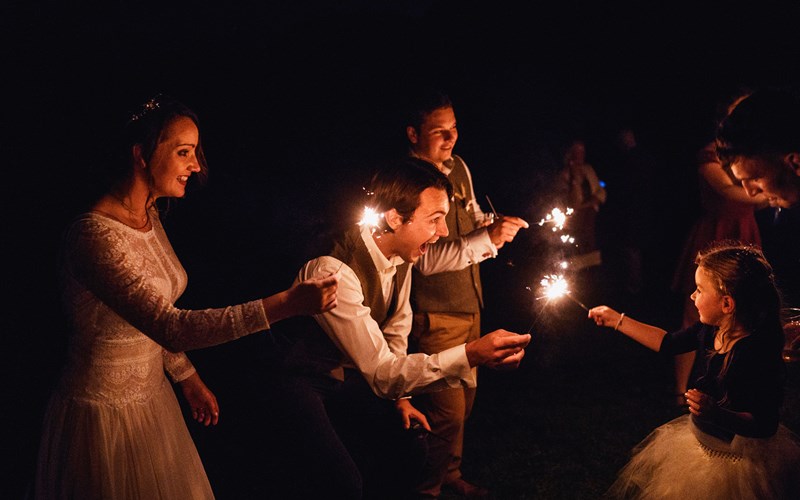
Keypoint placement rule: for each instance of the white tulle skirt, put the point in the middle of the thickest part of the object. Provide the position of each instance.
(678, 461)
(140, 450)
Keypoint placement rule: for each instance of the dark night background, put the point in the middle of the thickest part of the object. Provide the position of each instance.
(297, 101)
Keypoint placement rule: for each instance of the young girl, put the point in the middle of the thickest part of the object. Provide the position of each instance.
(731, 444)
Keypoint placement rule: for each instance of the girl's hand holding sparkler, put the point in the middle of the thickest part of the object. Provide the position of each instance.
(605, 316)
(499, 349)
(648, 335)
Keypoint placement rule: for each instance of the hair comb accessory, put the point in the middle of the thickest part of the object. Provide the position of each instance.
(147, 107)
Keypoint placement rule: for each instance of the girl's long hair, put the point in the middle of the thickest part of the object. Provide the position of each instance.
(742, 272)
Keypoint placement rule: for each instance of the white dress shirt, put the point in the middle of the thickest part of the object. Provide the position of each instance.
(381, 356)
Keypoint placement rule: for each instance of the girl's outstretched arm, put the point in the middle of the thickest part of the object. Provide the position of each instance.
(647, 335)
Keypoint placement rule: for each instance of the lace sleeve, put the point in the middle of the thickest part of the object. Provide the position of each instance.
(101, 259)
(177, 365)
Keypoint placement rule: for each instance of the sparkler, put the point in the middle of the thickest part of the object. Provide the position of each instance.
(371, 219)
(555, 286)
(494, 212)
(557, 217)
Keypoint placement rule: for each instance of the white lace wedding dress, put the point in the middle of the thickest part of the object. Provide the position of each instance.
(113, 428)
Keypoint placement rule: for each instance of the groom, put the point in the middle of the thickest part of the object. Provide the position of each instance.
(343, 389)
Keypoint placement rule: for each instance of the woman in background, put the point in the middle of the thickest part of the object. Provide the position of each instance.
(726, 213)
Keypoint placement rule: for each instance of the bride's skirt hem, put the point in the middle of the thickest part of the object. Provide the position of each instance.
(140, 450)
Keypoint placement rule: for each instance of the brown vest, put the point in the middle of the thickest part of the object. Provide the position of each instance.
(310, 349)
(452, 291)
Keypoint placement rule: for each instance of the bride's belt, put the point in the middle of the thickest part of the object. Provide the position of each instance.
(114, 372)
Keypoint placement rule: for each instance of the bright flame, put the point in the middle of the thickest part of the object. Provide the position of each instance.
(554, 286)
(565, 238)
(557, 217)
(371, 219)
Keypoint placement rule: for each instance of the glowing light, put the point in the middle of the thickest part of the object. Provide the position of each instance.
(565, 238)
(371, 219)
(557, 217)
(555, 286)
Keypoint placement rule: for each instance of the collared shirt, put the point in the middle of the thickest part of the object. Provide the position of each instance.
(381, 356)
(447, 168)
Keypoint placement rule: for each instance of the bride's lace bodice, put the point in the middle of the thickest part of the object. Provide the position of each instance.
(119, 287)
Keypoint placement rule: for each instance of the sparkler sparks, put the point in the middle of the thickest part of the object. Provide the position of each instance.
(371, 219)
(555, 286)
(557, 217)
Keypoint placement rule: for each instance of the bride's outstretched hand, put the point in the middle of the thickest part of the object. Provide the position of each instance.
(315, 295)
(312, 296)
